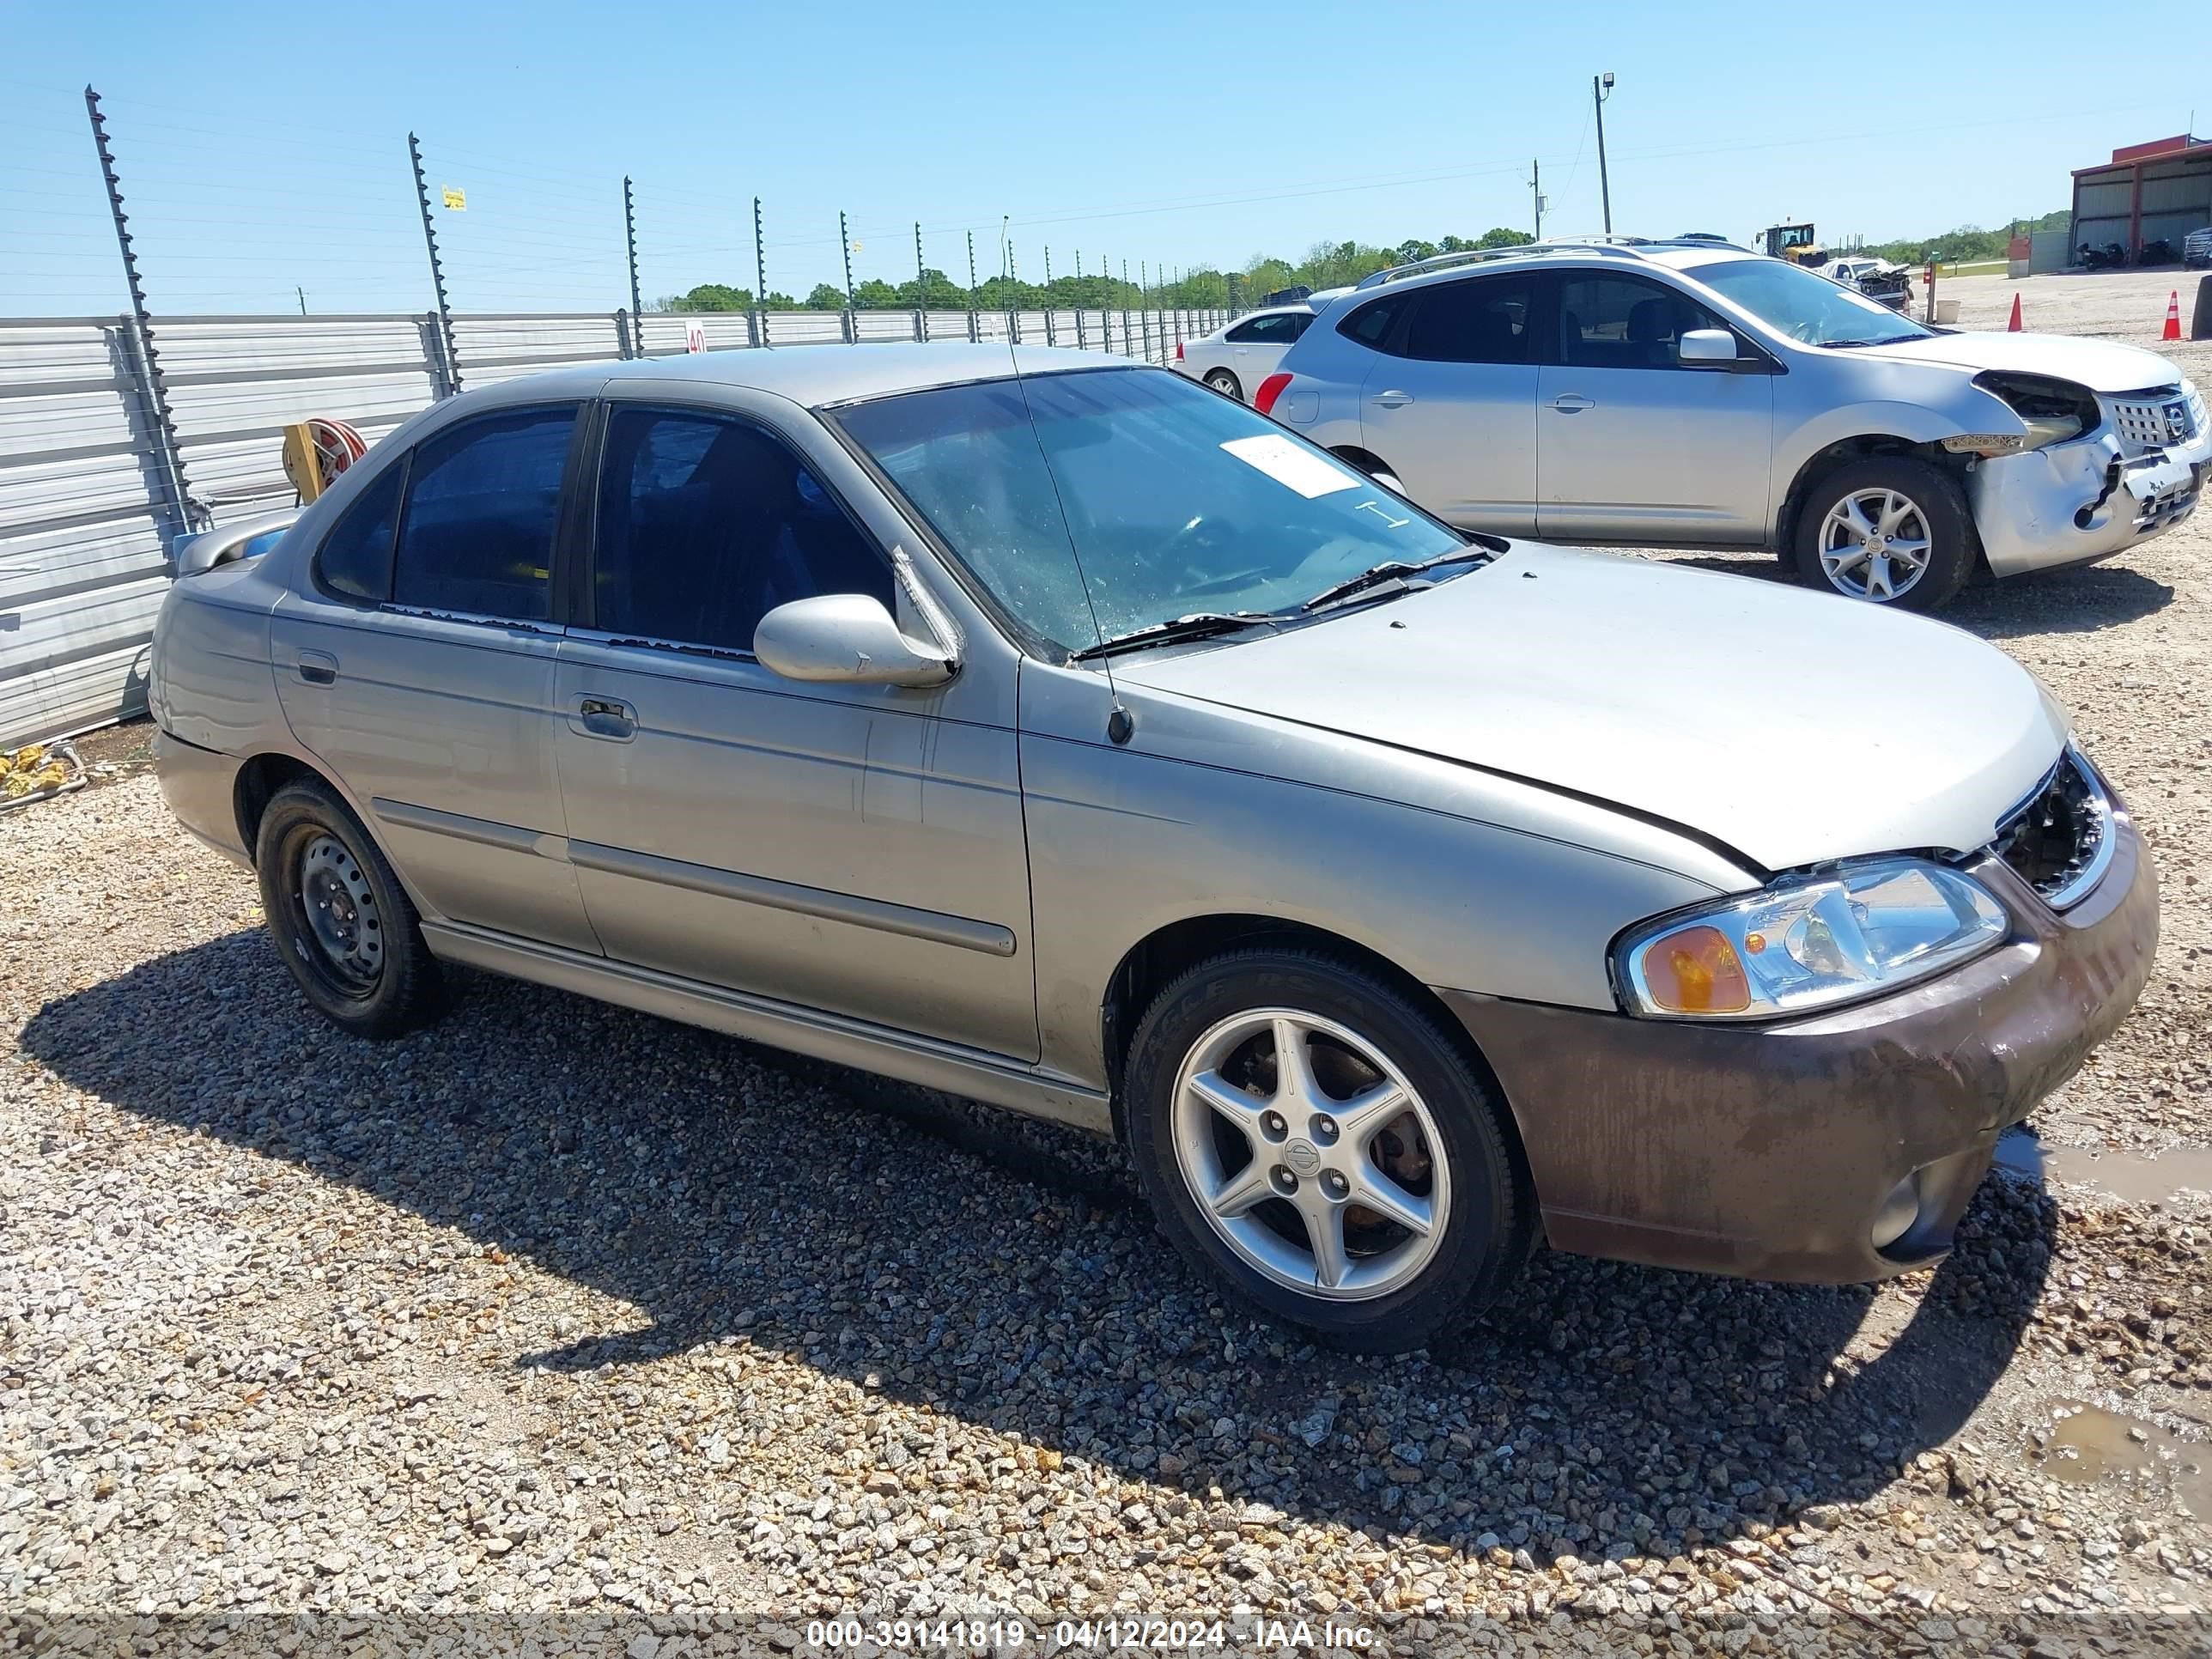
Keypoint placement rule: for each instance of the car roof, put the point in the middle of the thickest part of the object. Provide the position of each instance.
(812, 376)
(1619, 253)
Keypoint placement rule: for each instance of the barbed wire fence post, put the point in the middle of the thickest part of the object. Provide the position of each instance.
(975, 331)
(1125, 308)
(760, 279)
(637, 303)
(1080, 343)
(145, 360)
(1048, 338)
(920, 289)
(1144, 305)
(449, 359)
(1013, 298)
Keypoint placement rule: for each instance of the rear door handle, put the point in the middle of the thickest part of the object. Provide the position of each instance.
(606, 717)
(1572, 402)
(1392, 399)
(319, 668)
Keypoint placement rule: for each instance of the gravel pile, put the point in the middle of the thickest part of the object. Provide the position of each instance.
(558, 1328)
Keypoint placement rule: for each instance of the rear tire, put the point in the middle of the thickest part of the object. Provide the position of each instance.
(342, 924)
(1369, 1196)
(1225, 383)
(1889, 530)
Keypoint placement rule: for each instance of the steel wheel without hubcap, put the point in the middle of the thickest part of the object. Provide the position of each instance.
(339, 908)
(1874, 544)
(1310, 1154)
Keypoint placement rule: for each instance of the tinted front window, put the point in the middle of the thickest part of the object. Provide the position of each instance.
(354, 561)
(1176, 501)
(1805, 306)
(706, 524)
(482, 502)
(1485, 321)
(1619, 322)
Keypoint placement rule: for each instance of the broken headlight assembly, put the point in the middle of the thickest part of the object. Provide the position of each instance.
(2053, 411)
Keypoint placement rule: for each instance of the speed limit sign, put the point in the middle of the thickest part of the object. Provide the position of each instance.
(694, 336)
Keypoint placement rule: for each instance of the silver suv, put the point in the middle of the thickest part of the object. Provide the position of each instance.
(1694, 394)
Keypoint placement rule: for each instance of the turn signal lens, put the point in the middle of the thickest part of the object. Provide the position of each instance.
(1695, 971)
(1854, 931)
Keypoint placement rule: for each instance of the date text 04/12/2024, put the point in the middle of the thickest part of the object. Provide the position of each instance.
(1087, 1635)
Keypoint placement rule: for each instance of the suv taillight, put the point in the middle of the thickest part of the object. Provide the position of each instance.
(1270, 389)
(1178, 350)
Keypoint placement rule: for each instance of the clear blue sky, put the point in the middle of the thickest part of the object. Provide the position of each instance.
(264, 146)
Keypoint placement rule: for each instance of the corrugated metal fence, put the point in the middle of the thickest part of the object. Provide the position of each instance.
(88, 514)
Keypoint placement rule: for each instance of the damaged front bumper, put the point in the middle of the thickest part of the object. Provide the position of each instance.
(2075, 503)
(1837, 1148)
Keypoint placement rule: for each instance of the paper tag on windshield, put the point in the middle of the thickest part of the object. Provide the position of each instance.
(1288, 463)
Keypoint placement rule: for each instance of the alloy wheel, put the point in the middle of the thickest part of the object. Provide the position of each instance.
(1874, 544)
(1310, 1154)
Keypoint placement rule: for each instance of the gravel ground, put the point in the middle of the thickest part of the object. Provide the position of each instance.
(562, 1325)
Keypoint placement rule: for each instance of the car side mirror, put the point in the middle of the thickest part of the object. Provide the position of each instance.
(247, 538)
(1707, 345)
(847, 638)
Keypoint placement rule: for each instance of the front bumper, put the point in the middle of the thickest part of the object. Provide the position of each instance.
(1771, 1151)
(2052, 506)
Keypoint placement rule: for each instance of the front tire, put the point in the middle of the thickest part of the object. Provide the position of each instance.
(1225, 383)
(1365, 1192)
(1887, 530)
(344, 926)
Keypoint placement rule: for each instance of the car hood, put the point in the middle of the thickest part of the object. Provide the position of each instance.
(1791, 726)
(2100, 365)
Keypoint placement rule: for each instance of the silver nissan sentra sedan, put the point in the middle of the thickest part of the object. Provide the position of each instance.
(1078, 739)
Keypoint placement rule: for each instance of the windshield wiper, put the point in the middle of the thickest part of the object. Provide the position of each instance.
(1375, 574)
(1198, 625)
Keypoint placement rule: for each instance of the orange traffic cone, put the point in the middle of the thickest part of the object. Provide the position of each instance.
(2172, 316)
(2013, 327)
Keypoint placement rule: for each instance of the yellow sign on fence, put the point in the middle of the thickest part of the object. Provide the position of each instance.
(457, 200)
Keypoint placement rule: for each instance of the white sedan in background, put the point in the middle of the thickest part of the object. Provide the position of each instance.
(1234, 360)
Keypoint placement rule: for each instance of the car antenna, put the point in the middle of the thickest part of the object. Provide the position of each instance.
(1120, 724)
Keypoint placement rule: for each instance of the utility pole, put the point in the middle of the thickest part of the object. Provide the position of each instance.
(1536, 190)
(1601, 89)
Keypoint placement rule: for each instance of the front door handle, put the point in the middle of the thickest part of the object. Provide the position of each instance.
(606, 717)
(1572, 402)
(1392, 399)
(319, 668)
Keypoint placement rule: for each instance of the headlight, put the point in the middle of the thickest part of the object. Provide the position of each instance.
(1807, 942)
(2052, 411)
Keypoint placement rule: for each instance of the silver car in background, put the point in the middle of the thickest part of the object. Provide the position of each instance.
(1694, 394)
(1084, 742)
(1233, 360)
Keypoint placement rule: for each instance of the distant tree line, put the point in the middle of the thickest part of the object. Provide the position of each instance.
(1326, 264)
(1968, 242)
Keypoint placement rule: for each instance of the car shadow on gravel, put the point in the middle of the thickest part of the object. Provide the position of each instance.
(2078, 601)
(1006, 1271)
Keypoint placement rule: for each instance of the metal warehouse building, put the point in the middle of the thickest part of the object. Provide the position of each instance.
(2162, 189)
